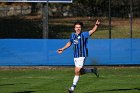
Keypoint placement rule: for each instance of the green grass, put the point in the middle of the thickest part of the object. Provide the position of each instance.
(112, 80)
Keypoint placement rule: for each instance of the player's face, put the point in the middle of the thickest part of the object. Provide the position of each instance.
(77, 29)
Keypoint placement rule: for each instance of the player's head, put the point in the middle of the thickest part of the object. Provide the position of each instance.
(78, 27)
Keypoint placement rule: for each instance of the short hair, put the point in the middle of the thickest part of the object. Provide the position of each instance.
(78, 23)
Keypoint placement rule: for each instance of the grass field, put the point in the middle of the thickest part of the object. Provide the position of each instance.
(58, 80)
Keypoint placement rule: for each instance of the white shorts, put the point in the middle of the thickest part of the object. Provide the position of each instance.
(79, 62)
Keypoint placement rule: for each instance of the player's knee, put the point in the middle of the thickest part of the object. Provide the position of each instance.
(80, 71)
(77, 72)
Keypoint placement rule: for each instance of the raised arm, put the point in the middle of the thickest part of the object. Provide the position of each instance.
(59, 51)
(94, 28)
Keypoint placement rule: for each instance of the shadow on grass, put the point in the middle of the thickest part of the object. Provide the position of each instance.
(24, 92)
(113, 90)
(11, 84)
(6, 84)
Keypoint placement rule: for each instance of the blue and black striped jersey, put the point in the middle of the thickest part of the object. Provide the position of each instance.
(80, 44)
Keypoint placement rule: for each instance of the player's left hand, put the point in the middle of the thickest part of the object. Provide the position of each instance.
(97, 22)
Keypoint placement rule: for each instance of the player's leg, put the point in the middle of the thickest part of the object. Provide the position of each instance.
(78, 65)
(89, 70)
(75, 79)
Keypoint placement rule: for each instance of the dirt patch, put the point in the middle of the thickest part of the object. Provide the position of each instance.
(59, 67)
(34, 67)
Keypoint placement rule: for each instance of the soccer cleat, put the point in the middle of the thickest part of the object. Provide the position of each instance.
(70, 91)
(95, 71)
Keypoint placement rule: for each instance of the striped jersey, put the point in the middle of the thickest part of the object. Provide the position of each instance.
(80, 44)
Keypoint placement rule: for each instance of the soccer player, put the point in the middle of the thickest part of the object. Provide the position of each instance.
(79, 40)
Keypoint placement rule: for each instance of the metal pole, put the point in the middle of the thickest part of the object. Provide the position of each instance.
(109, 19)
(131, 17)
(45, 20)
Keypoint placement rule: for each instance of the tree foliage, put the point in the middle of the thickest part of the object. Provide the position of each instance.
(119, 8)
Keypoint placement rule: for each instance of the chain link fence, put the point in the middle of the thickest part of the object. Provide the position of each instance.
(26, 20)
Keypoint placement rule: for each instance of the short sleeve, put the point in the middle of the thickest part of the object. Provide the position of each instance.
(71, 38)
(86, 34)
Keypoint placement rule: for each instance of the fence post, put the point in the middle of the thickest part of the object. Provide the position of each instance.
(131, 17)
(109, 19)
(45, 20)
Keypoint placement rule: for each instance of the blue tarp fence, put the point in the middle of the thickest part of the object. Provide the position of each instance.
(42, 52)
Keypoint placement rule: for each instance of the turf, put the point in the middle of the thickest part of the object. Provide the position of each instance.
(112, 80)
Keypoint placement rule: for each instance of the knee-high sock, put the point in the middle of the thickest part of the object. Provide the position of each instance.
(75, 80)
(87, 70)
